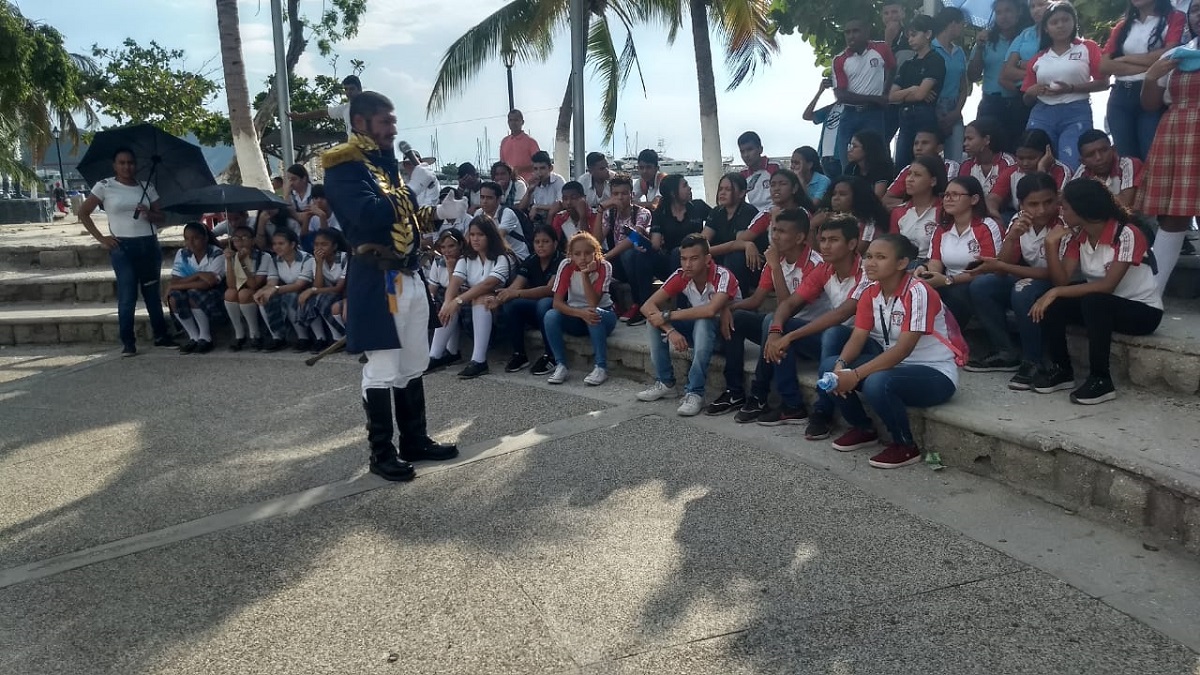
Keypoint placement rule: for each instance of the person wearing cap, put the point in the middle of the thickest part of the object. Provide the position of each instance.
(518, 148)
(418, 175)
(352, 87)
(468, 184)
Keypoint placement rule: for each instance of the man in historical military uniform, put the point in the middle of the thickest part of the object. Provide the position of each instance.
(387, 302)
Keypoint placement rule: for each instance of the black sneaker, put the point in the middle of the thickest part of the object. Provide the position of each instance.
(474, 369)
(319, 346)
(237, 345)
(783, 415)
(1056, 378)
(273, 345)
(726, 402)
(128, 352)
(636, 320)
(819, 427)
(544, 365)
(256, 344)
(204, 346)
(188, 347)
(1023, 380)
(302, 345)
(167, 342)
(516, 363)
(993, 363)
(751, 411)
(1095, 389)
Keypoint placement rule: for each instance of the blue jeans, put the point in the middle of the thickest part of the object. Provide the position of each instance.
(701, 335)
(1132, 128)
(556, 324)
(913, 118)
(137, 262)
(1064, 123)
(854, 120)
(832, 342)
(787, 383)
(522, 312)
(992, 295)
(1024, 294)
(953, 143)
(891, 392)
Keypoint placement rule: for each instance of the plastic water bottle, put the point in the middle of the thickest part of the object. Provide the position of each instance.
(636, 238)
(828, 382)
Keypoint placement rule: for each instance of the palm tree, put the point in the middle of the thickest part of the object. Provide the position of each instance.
(245, 137)
(528, 29)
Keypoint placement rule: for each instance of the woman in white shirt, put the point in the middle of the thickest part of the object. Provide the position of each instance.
(444, 348)
(486, 266)
(246, 270)
(132, 211)
(512, 190)
(299, 197)
(291, 273)
(196, 289)
(331, 255)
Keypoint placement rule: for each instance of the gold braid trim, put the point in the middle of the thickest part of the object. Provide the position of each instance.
(407, 222)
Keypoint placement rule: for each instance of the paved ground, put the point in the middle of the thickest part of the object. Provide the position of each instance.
(172, 514)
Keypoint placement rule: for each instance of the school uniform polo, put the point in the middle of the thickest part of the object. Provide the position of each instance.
(1141, 32)
(897, 188)
(1033, 244)
(918, 226)
(439, 274)
(916, 308)
(1079, 65)
(1130, 246)
(824, 286)
(794, 275)
(594, 197)
(865, 73)
(564, 223)
(956, 67)
(957, 250)
(569, 280)
(1000, 162)
(1006, 184)
(473, 271)
(535, 275)
(548, 193)
(719, 280)
(1026, 45)
(758, 184)
(333, 269)
(301, 268)
(1124, 173)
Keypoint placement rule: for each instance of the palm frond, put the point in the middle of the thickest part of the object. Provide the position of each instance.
(668, 13)
(748, 34)
(606, 64)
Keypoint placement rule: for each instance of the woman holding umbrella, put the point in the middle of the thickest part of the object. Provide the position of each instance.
(132, 210)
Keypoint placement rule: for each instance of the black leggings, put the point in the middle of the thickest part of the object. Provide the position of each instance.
(1100, 314)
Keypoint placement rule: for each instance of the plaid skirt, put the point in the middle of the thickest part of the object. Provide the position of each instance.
(278, 311)
(319, 307)
(211, 302)
(1171, 175)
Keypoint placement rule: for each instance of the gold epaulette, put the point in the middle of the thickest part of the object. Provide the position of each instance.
(340, 154)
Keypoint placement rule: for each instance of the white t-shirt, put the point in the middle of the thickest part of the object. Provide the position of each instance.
(474, 271)
(545, 195)
(119, 202)
(589, 190)
(917, 308)
(570, 280)
(302, 268)
(186, 265)
(341, 112)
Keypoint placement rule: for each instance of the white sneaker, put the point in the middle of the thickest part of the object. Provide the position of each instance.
(597, 377)
(559, 375)
(657, 391)
(692, 403)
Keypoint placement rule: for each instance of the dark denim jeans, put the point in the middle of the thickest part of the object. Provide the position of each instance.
(1132, 128)
(992, 295)
(137, 262)
(640, 268)
(913, 118)
(855, 119)
(521, 313)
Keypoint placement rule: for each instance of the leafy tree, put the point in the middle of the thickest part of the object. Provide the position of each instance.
(449, 170)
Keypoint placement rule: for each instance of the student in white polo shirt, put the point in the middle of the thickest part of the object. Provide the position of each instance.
(1119, 292)
(544, 198)
(1034, 154)
(985, 161)
(708, 288)
(862, 78)
(490, 194)
(1100, 161)
(196, 287)
(758, 171)
(917, 218)
(597, 186)
(1059, 79)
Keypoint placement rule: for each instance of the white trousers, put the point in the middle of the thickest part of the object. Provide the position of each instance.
(387, 368)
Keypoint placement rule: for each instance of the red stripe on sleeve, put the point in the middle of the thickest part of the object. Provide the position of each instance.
(864, 314)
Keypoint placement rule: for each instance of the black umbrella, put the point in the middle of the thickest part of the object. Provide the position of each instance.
(170, 164)
(217, 198)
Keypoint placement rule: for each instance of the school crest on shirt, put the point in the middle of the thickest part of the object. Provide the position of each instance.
(929, 228)
(973, 247)
(875, 62)
(1075, 56)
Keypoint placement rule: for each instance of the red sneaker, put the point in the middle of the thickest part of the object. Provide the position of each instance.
(855, 439)
(634, 310)
(895, 456)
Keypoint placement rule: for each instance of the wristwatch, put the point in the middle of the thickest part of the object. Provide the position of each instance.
(666, 315)
(458, 301)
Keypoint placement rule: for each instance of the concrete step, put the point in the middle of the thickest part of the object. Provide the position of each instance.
(92, 284)
(1133, 462)
(70, 256)
(23, 323)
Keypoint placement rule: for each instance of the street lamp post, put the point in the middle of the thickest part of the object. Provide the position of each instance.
(510, 59)
(62, 175)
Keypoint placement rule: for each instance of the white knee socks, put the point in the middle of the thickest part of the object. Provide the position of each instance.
(445, 340)
(235, 317)
(481, 317)
(1167, 246)
(318, 328)
(202, 324)
(250, 312)
(189, 325)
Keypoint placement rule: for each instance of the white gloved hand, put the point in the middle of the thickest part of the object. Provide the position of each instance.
(451, 208)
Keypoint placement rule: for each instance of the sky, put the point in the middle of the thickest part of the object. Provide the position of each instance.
(402, 42)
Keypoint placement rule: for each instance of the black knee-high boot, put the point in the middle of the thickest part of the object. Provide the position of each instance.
(384, 462)
(415, 443)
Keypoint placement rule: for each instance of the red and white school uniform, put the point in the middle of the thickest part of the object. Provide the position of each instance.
(916, 308)
(795, 274)
(1122, 175)
(758, 184)
(1006, 185)
(917, 224)
(1032, 245)
(719, 280)
(956, 251)
(864, 73)
(897, 189)
(568, 284)
(1141, 32)
(1079, 65)
(1000, 162)
(1130, 246)
(824, 286)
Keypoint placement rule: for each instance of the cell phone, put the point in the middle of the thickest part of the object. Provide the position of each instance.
(926, 275)
(827, 81)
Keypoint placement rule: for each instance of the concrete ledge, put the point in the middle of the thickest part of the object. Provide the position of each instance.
(61, 286)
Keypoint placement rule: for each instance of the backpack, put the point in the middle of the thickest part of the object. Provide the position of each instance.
(1148, 232)
(525, 233)
(955, 342)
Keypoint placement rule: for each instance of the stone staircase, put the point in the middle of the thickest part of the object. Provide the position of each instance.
(1135, 461)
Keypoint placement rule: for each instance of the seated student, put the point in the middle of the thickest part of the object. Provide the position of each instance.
(806, 164)
(868, 158)
(854, 196)
(233, 220)
(1034, 154)
(1100, 161)
(1119, 293)
(268, 222)
(582, 306)
(331, 256)
(512, 189)
(617, 218)
(443, 347)
(486, 265)
(708, 288)
(917, 218)
(927, 143)
(526, 300)
(196, 289)
(677, 216)
(789, 262)
(896, 356)
(505, 218)
(786, 191)
(758, 171)
(725, 228)
(965, 234)
(320, 217)
(1015, 279)
(246, 270)
(595, 180)
(576, 216)
(985, 161)
(292, 271)
(836, 282)
(646, 187)
(544, 197)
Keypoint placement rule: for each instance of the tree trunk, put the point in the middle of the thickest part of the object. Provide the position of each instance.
(249, 156)
(562, 135)
(710, 132)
